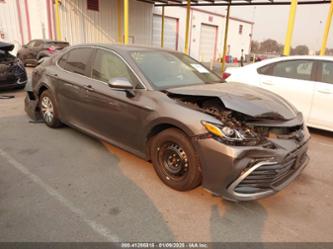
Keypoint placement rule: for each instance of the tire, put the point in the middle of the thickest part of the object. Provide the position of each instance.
(175, 160)
(49, 111)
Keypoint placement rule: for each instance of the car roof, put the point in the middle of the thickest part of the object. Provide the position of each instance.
(298, 57)
(287, 58)
(48, 40)
(124, 48)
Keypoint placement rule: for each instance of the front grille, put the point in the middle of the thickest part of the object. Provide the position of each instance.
(268, 176)
(8, 81)
(13, 74)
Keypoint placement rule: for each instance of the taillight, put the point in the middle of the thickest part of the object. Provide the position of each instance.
(225, 75)
(51, 49)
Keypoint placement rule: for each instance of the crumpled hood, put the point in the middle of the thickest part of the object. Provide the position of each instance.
(252, 101)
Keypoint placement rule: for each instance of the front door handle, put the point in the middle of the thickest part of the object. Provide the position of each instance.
(324, 91)
(72, 86)
(267, 83)
(55, 75)
(89, 88)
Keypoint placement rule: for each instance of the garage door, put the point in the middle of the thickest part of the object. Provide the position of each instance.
(170, 32)
(207, 42)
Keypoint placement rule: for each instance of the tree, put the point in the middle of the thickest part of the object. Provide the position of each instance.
(255, 46)
(270, 46)
(300, 50)
(329, 51)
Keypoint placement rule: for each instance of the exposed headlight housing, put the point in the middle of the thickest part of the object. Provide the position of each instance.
(230, 135)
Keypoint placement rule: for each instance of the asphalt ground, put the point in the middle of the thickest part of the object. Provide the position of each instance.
(62, 185)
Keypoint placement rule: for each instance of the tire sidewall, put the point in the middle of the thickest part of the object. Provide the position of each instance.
(55, 121)
(193, 174)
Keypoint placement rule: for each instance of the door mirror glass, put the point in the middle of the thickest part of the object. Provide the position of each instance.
(120, 83)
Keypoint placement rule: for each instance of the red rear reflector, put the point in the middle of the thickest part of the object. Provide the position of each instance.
(225, 75)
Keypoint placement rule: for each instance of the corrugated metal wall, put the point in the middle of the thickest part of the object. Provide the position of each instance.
(9, 24)
(80, 25)
(12, 11)
(141, 22)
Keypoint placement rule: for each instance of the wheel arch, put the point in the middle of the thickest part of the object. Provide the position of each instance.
(158, 127)
(43, 87)
(46, 87)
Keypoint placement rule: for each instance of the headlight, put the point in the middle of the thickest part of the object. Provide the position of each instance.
(229, 135)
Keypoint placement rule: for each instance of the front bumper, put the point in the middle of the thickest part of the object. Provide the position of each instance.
(242, 173)
(31, 103)
(13, 76)
(13, 85)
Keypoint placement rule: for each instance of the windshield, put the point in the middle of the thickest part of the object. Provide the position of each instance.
(167, 70)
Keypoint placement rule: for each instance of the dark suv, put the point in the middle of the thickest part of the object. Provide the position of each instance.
(35, 50)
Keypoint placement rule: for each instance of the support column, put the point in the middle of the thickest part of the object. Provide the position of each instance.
(291, 24)
(187, 31)
(125, 22)
(57, 17)
(327, 29)
(225, 39)
(162, 29)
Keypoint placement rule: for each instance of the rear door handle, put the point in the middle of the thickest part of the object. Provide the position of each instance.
(267, 83)
(89, 88)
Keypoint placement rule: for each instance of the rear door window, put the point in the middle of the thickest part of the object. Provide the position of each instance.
(293, 69)
(37, 43)
(77, 61)
(327, 72)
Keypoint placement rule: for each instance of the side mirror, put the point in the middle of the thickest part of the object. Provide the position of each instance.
(122, 84)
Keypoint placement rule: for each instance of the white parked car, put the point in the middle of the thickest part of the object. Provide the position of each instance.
(305, 81)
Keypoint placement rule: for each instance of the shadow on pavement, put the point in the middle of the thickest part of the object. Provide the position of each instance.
(323, 133)
(81, 170)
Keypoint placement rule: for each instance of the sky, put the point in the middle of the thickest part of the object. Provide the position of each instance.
(271, 22)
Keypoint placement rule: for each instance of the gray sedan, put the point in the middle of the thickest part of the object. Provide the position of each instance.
(237, 141)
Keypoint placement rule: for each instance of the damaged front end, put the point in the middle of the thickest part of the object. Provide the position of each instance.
(240, 129)
(12, 71)
(246, 157)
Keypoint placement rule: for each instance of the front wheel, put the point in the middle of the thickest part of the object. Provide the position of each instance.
(175, 160)
(49, 110)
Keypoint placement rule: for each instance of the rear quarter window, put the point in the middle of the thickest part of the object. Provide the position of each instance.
(266, 70)
(58, 45)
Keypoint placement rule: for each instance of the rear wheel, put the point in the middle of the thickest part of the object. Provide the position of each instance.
(49, 110)
(175, 160)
